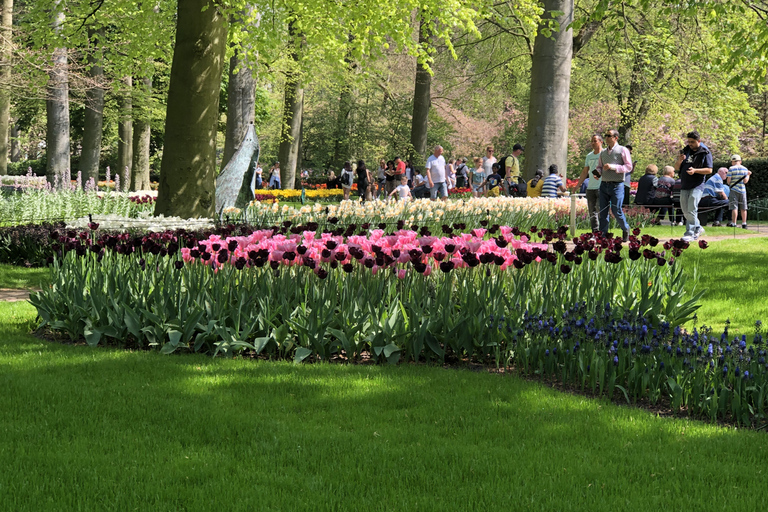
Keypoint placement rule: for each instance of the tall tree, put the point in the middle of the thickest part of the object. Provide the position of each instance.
(125, 129)
(57, 104)
(293, 109)
(547, 131)
(94, 109)
(6, 52)
(188, 166)
(241, 103)
(422, 99)
(142, 134)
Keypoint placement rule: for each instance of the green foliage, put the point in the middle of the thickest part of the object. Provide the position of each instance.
(21, 168)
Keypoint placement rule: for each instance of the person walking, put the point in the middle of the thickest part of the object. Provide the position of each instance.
(347, 177)
(436, 174)
(694, 163)
(593, 181)
(363, 181)
(274, 176)
(614, 162)
(461, 173)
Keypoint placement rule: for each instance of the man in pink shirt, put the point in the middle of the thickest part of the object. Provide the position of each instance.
(614, 162)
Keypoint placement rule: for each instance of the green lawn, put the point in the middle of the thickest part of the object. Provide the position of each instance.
(21, 277)
(102, 429)
(734, 274)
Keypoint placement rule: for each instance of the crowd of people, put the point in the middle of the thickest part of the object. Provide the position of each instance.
(687, 200)
(604, 180)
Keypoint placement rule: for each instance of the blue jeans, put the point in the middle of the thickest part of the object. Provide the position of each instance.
(689, 203)
(612, 194)
(438, 188)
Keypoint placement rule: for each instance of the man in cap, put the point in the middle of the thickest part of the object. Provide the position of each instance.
(737, 178)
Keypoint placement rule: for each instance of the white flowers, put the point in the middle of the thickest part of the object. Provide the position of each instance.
(144, 223)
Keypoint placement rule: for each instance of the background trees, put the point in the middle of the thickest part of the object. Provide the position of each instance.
(326, 82)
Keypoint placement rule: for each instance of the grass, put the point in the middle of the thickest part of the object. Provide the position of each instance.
(115, 430)
(733, 273)
(21, 277)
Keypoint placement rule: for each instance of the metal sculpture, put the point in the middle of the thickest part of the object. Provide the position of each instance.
(236, 183)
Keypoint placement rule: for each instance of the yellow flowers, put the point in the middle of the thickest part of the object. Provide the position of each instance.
(292, 194)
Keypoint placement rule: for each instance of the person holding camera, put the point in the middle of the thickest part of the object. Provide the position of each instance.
(694, 163)
(593, 181)
(613, 163)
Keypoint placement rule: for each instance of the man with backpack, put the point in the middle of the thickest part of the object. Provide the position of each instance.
(461, 173)
(510, 165)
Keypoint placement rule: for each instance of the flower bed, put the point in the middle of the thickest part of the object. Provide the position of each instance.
(474, 212)
(441, 290)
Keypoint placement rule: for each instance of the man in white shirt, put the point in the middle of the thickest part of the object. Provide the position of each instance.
(436, 174)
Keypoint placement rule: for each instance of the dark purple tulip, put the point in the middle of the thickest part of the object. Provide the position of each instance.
(348, 267)
(205, 256)
(565, 269)
(215, 246)
(275, 264)
(290, 255)
(223, 257)
(322, 273)
(331, 244)
(368, 262)
(325, 253)
(302, 249)
(446, 266)
(439, 256)
(178, 264)
(334, 264)
(232, 245)
(194, 253)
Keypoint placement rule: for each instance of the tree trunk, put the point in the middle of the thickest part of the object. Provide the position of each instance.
(300, 154)
(6, 52)
(15, 146)
(421, 103)
(341, 135)
(547, 132)
(241, 101)
(141, 138)
(125, 130)
(57, 108)
(94, 111)
(188, 168)
(293, 110)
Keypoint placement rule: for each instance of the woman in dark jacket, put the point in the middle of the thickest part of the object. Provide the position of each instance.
(363, 180)
(646, 186)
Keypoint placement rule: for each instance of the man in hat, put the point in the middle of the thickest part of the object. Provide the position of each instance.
(737, 178)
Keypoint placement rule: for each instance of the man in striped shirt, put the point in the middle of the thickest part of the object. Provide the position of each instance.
(737, 177)
(552, 183)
